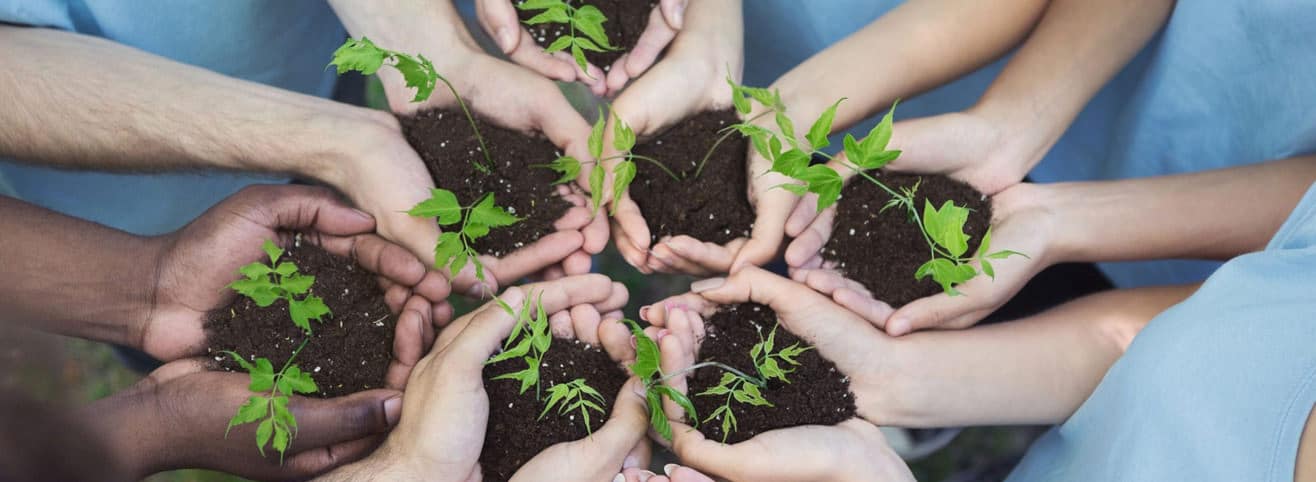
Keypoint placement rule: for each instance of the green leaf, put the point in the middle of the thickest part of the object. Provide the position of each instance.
(877, 139)
(280, 438)
(985, 245)
(764, 96)
(281, 411)
(442, 204)
(623, 138)
(946, 226)
(589, 20)
(717, 390)
(596, 136)
(359, 55)
(680, 399)
(987, 268)
(646, 352)
(450, 246)
(262, 375)
(556, 394)
(946, 273)
(876, 160)
(307, 309)
(769, 369)
(539, 4)
(824, 182)
(657, 417)
(853, 151)
(253, 410)
(586, 44)
(296, 284)
(579, 56)
(520, 349)
(738, 96)
(486, 213)
(728, 424)
(622, 175)
(256, 271)
(272, 250)
(822, 127)
(567, 166)
(263, 433)
(771, 342)
(541, 338)
(556, 14)
(749, 393)
(558, 45)
(792, 163)
(1005, 253)
(787, 129)
(260, 291)
(419, 74)
(596, 177)
(294, 380)
(286, 268)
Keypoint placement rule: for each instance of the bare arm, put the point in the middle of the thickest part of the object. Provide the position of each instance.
(1034, 370)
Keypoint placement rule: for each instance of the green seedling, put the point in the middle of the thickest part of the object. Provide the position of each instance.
(623, 140)
(738, 387)
(529, 341)
(575, 395)
(267, 283)
(365, 57)
(585, 19)
(646, 368)
(454, 248)
(942, 228)
(277, 426)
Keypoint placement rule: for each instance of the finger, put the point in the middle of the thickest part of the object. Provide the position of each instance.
(656, 36)
(178, 368)
(754, 284)
(318, 460)
(576, 263)
(478, 335)
(693, 449)
(764, 243)
(434, 287)
(808, 244)
(827, 281)
(407, 349)
(658, 313)
(804, 213)
(550, 273)
(627, 424)
(712, 257)
(596, 234)
(395, 297)
(616, 340)
(674, 12)
(941, 309)
(632, 222)
(617, 76)
(862, 304)
(636, 474)
(684, 474)
(499, 19)
(530, 55)
(584, 320)
(573, 220)
(292, 207)
(681, 326)
(421, 305)
(560, 324)
(382, 257)
(323, 422)
(441, 316)
(546, 251)
(591, 76)
(636, 257)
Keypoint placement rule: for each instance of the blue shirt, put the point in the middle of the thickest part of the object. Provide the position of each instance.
(285, 44)
(1218, 387)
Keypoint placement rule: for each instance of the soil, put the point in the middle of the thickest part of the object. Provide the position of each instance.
(446, 143)
(883, 250)
(712, 207)
(515, 433)
(818, 393)
(626, 21)
(349, 352)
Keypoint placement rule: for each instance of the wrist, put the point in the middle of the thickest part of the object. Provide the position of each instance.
(137, 447)
(1024, 135)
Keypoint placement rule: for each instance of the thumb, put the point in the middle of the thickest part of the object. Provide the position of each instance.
(773, 208)
(941, 311)
(499, 19)
(752, 283)
(292, 207)
(325, 422)
(625, 427)
(674, 12)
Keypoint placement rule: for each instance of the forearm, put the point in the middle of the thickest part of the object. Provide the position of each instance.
(75, 101)
(74, 277)
(1214, 214)
(915, 47)
(1077, 47)
(1036, 370)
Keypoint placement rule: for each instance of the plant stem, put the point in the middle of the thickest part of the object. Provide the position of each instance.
(489, 164)
(761, 383)
(656, 163)
(724, 137)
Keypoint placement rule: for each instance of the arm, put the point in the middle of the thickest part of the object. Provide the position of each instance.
(1034, 370)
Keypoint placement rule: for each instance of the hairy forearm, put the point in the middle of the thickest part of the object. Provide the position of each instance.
(74, 277)
(75, 101)
(1035, 370)
(1215, 214)
(1077, 47)
(913, 48)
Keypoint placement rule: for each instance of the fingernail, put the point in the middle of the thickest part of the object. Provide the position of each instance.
(644, 312)
(898, 326)
(680, 15)
(619, 478)
(645, 475)
(707, 284)
(669, 468)
(505, 39)
(661, 333)
(630, 461)
(364, 215)
(479, 290)
(639, 390)
(393, 410)
(634, 344)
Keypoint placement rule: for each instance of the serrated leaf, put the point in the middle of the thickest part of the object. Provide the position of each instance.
(253, 410)
(622, 175)
(307, 309)
(880, 135)
(539, 4)
(521, 348)
(448, 247)
(646, 352)
(738, 96)
(877, 160)
(586, 44)
(597, 175)
(555, 14)
(554, 397)
(419, 74)
(579, 56)
(281, 412)
(280, 438)
(294, 380)
(272, 250)
(260, 291)
(487, 213)
(568, 167)
(853, 151)
(763, 96)
(558, 45)
(824, 182)
(945, 226)
(442, 204)
(262, 375)
(286, 268)
(787, 129)
(623, 137)
(263, 433)
(769, 369)
(296, 284)
(256, 271)
(985, 245)
(681, 400)
(589, 20)
(822, 127)
(359, 55)
(717, 390)
(792, 163)
(657, 417)
(796, 189)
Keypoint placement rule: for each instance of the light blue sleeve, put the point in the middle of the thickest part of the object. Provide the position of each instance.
(37, 13)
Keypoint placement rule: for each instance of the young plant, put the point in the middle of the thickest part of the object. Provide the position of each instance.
(942, 228)
(277, 426)
(454, 248)
(646, 367)
(623, 140)
(585, 397)
(529, 341)
(744, 389)
(267, 283)
(585, 19)
(365, 57)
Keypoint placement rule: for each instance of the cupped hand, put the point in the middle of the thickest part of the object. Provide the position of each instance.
(1020, 222)
(851, 450)
(446, 409)
(689, 80)
(500, 21)
(197, 263)
(176, 418)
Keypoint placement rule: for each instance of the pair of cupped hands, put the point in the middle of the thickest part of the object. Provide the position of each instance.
(697, 49)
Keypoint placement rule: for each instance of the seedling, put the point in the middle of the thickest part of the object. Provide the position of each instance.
(277, 426)
(586, 19)
(623, 140)
(365, 57)
(646, 367)
(744, 389)
(454, 248)
(942, 228)
(585, 397)
(529, 341)
(267, 283)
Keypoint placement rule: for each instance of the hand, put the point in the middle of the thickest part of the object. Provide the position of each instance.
(500, 21)
(198, 261)
(851, 450)
(176, 418)
(446, 408)
(671, 473)
(1020, 223)
(690, 79)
